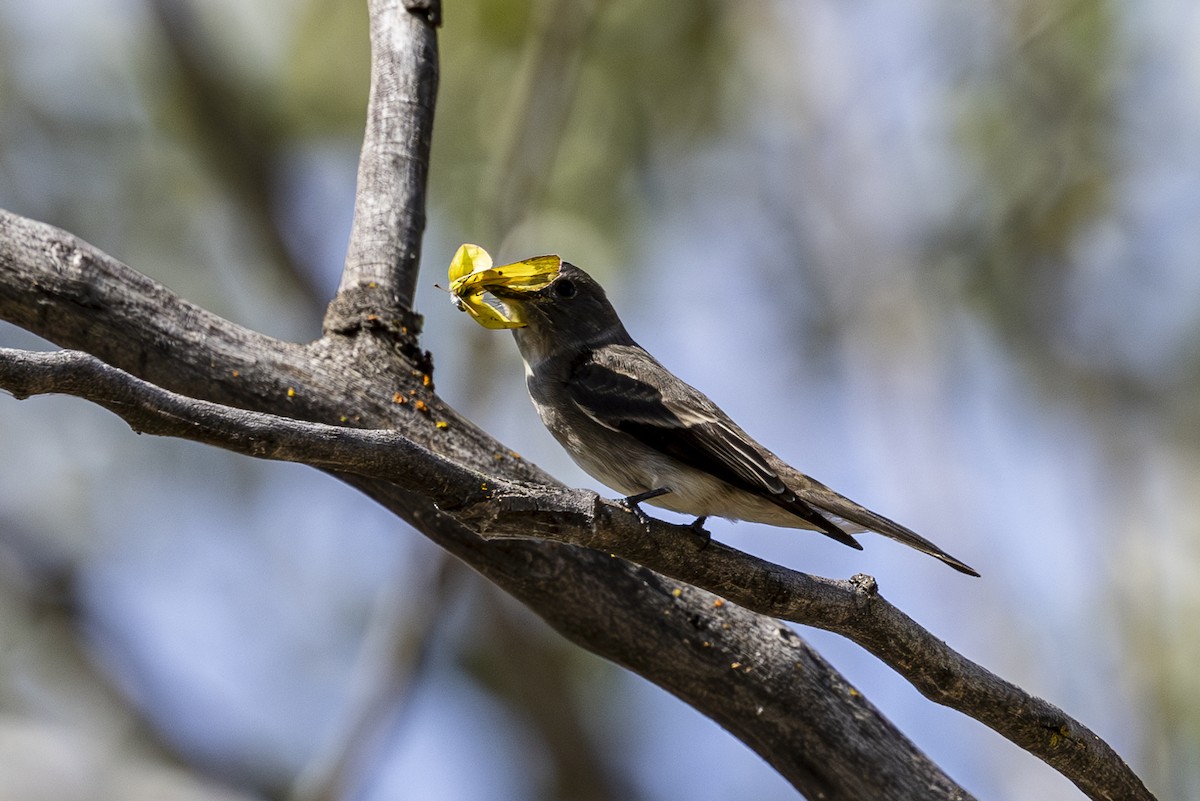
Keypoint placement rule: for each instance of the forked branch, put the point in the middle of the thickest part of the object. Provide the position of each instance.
(170, 368)
(497, 508)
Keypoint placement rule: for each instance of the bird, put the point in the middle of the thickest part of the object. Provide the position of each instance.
(636, 427)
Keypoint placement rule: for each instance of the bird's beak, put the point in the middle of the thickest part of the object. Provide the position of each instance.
(472, 274)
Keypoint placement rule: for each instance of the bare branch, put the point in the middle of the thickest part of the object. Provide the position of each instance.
(65, 290)
(830, 744)
(502, 509)
(380, 275)
(149, 409)
(854, 608)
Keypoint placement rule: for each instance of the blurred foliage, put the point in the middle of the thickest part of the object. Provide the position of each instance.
(1041, 126)
(1047, 129)
(194, 141)
(1047, 126)
(547, 681)
(326, 74)
(547, 110)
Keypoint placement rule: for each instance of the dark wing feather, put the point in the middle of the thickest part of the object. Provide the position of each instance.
(625, 395)
(624, 388)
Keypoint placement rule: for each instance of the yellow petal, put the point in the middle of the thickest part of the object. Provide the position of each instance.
(487, 315)
(529, 274)
(532, 274)
(472, 274)
(468, 259)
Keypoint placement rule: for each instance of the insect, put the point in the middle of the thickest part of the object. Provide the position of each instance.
(471, 271)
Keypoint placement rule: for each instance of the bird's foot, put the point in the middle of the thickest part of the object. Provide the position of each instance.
(631, 502)
(700, 531)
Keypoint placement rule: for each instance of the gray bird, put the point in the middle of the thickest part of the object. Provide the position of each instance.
(632, 424)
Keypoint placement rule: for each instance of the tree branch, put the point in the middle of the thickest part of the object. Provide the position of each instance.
(380, 274)
(853, 608)
(172, 368)
(502, 509)
(149, 409)
(67, 291)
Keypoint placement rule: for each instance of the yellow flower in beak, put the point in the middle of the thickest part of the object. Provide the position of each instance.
(472, 274)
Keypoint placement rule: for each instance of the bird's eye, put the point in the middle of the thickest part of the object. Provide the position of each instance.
(564, 288)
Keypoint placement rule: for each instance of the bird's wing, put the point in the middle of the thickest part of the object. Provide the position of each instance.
(621, 390)
(622, 387)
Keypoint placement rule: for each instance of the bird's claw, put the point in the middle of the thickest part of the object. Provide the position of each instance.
(631, 503)
(638, 511)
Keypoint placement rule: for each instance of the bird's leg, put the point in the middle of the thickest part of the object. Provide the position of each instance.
(697, 528)
(632, 501)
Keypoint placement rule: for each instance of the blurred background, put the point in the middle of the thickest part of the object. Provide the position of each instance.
(942, 256)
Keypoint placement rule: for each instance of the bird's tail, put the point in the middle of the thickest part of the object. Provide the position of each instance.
(829, 501)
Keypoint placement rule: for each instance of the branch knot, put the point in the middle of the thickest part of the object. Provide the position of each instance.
(429, 10)
(371, 307)
(864, 585)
